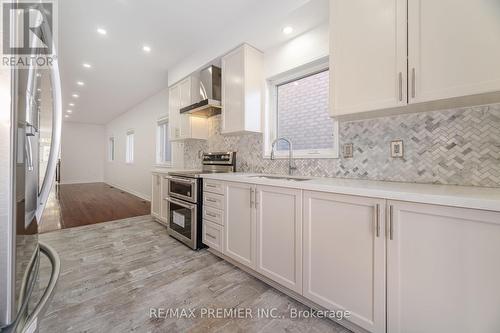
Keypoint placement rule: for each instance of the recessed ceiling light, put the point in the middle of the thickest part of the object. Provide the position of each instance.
(38, 75)
(86, 65)
(39, 90)
(101, 31)
(146, 48)
(71, 104)
(75, 95)
(287, 30)
(69, 111)
(66, 116)
(80, 83)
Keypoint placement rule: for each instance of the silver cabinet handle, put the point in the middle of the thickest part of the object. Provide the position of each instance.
(211, 200)
(252, 202)
(211, 236)
(413, 83)
(391, 222)
(400, 86)
(377, 220)
(211, 214)
(210, 185)
(256, 196)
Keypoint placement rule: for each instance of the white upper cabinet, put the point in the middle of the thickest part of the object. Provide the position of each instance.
(391, 53)
(242, 90)
(453, 48)
(174, 117)
(442, 269)
(367, 55)
(183, 126)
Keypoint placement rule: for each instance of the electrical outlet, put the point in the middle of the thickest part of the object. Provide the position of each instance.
(348, 150)
(397, 149)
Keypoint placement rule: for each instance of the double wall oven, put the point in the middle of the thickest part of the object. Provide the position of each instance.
(185, 197)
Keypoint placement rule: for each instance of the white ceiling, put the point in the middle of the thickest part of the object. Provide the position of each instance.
(122, 75)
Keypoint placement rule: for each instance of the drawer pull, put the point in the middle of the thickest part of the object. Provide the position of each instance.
(211, 236)
(211, 214)
(211, 200)
(212, 186)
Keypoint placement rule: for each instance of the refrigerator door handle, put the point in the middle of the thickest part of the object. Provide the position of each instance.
(49, 291)
(56, 132)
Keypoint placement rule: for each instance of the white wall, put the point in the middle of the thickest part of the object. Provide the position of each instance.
(82, 153)
(136, 178)
(303, 49)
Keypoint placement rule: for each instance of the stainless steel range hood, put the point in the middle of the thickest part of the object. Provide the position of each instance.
(208, 96)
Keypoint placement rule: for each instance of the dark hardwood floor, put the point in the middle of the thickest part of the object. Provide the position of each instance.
(73, 205)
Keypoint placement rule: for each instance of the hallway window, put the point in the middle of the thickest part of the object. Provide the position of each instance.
(129, 158)
(111, 149)
(163, 145)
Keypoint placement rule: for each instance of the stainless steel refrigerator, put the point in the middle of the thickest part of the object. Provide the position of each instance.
(30, 116)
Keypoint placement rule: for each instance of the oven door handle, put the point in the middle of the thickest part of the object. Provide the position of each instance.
(180, 203)
(182, 180)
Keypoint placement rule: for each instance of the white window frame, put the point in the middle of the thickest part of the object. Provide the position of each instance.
(271, 121)
(160, 160)
(129, 147)
(111, 149)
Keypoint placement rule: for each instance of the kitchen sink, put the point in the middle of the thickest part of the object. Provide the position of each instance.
(292, 179)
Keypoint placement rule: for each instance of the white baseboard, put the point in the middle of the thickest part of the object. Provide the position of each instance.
(123, 188)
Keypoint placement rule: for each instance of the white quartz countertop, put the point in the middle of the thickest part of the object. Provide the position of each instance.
(447, 195)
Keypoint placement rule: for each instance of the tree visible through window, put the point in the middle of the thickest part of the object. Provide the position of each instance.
(302, 113)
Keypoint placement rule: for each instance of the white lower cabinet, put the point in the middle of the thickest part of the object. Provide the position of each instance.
(279, 235)
(443, 269)
(395, 266)
(156, 196)
(239, 229)
(163, 202)
(344, 256)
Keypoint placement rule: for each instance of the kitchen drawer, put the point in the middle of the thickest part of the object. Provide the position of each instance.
(213, 200)
(213, 187)
(213, 215)
(212, 235)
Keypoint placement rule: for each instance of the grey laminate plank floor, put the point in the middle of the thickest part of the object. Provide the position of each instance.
(113, 274)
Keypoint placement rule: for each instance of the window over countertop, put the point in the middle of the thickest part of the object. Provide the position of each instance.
(299, 110)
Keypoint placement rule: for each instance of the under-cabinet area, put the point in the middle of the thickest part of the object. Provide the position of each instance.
(388, 263)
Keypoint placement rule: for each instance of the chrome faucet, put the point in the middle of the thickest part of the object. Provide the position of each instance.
(291, 164)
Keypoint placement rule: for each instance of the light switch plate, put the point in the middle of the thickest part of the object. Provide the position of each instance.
(348, 150)
(397, 149)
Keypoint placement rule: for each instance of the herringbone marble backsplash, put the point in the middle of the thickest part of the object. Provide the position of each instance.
(459, 147)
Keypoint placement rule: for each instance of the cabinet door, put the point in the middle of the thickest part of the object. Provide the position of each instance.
(173, 111)
(279, 235)
(156, 196)
(344, 256)
(442, 269)
(164, 203)
(454, 48)
(233, 99)
(185, 100)
(368, 55)
(239, 231)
